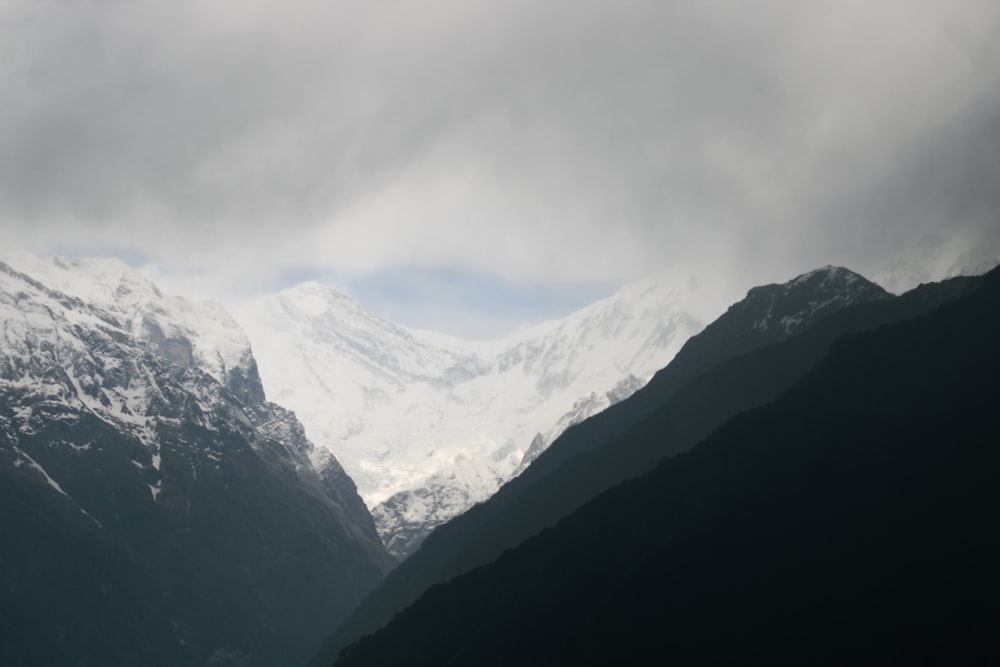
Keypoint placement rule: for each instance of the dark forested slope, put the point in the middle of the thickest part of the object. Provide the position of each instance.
(853, 519)
(743, 360)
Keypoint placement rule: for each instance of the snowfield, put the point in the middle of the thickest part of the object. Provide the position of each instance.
(428, 425)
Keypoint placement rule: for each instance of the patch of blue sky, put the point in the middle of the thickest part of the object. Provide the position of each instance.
(464, 302)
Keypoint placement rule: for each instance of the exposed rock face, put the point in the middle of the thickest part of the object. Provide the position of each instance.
(142, 468)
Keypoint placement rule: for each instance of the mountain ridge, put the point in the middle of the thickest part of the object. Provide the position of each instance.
(429, 425)
(847, 520)
(530, 502)
(157, 491)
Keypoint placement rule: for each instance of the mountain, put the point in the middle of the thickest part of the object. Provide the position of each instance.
(157, 509)
(850, 520)
(719, 372)
(768, 314)
(589, 405)
(429, 425)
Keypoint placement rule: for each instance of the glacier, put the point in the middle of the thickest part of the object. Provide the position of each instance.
(427, 424)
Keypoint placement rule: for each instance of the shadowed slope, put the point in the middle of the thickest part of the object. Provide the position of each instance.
(853, 519)
(575, 474)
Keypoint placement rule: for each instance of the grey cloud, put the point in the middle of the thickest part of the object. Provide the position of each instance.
(539, 141)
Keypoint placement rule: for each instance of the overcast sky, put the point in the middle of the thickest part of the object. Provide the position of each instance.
(467, 164)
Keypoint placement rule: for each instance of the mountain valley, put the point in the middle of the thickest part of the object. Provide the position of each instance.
(428, 425)
(162, 510)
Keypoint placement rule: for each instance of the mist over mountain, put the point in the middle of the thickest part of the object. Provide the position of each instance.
(932, 257)
(428, 425)
(848, 520)
(356, 336)
(157, 509)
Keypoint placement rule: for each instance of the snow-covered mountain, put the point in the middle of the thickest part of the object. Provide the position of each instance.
(138, 453)
(428, 425)
(589, 405)
(109, 292)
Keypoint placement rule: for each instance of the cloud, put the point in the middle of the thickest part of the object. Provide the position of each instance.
(549, 141)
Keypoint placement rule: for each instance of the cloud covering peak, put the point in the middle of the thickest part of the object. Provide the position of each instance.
(538, 142)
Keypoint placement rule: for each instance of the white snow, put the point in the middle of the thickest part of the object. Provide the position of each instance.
(34, 464)
(73, 335)
(136, 305)
(405, 409)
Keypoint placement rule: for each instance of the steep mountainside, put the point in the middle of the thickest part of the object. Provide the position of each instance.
(568, 473)
(158, 510)
(429, 425)
(766, 315)
(851, 520)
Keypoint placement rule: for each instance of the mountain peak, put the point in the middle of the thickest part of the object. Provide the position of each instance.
(316, 288)
(108, 283)
(310, 298)
(782, 309)
(192, 334)
(825, 275)
(323, 307)
(427, 424)
(768, 314)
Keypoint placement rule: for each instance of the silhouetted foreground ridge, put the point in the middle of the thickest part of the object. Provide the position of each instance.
(851, 520)
(743, 360)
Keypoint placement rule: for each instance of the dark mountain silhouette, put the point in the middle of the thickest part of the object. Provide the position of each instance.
(737, 365)
(852, 519)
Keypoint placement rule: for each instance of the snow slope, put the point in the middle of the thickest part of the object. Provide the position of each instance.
(198, 334)
(86, 334)
(428, 425)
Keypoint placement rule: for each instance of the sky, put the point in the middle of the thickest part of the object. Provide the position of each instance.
(470, 165)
